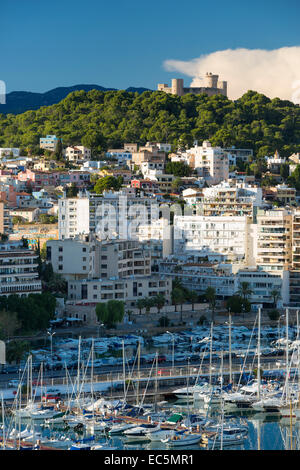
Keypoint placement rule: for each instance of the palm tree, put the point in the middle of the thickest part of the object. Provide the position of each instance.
(210, 295)
(140, 303)
(148, 303)
(244, 290)
(276, 296)
(178, 297)
(193, 297)
(159, 301)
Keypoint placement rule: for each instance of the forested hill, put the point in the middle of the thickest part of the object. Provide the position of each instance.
(21, 101)
(102, 120)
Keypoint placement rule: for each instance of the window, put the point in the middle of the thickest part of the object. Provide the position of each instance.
(60, 258)
(60, 267)
(83, 249)
(60, 248)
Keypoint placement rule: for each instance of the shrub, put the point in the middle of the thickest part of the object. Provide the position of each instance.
(163, 321)
(274, 314)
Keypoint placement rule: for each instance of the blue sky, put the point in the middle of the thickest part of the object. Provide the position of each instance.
(124, 43)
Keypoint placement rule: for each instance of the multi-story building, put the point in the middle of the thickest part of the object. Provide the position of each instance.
(230, 200)
(129, 290)
(262, 283)
(18, 270)
(212, 86)
(5, 219)
(111, 214)
(295, 268)
(196, 273)
(157, 237)
(210, 162)
(49, 142)
(88, 257)
(240, 154)
(149, 153)
(274, 240)
(230, 236)
(76, 153)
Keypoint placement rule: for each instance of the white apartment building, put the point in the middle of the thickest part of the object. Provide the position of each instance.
(157, 238)
(18, 270)
(88, 257)
(210, 162)
(147, 167)
(262, 283)
(113, 214)
(230, 236)
(197, 274)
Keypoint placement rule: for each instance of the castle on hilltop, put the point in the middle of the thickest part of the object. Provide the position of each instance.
(212, 86)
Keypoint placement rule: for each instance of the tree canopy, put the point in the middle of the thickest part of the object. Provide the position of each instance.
(102, 120)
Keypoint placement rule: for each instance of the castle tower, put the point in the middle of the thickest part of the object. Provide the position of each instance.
(177, 86)
(211, 81)
(223, 87)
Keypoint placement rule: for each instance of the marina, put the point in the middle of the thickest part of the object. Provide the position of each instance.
(224, 400)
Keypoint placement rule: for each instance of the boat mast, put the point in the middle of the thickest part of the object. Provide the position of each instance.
(124, 371)
(230, 361)
(78, 366)
(287, 355)
(258, 354)
(210, 351)
(3, 422)
(156, 381)
(138, 377)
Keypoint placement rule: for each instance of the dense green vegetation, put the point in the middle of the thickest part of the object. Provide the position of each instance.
(102, 120)
(25, 314)
(110, 313)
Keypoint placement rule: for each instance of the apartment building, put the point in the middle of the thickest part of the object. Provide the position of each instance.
(18, 270)
(211, 163)
(112, 214)
(161, 180)
(149, 153)
(157, 237)
(88, 257)
(295, 268)
(196, 273)
(227, 199)
(77, 153)
(230, 236)
(93, 291)
(49, 142)
(262, 283)
(274, 240)
(5, 219)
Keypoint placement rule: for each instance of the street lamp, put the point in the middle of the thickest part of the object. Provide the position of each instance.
(172, 349)
(51, 336)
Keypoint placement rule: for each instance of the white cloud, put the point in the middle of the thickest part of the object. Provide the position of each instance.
(274, 73)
